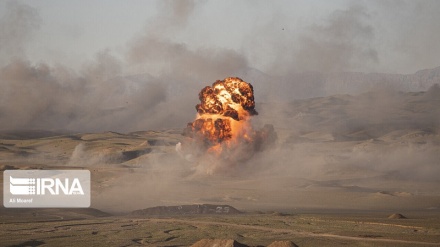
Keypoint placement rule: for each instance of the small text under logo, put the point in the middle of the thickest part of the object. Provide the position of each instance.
(46, 188)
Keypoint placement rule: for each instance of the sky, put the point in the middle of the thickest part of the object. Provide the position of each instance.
(135, 65)
(373, 36)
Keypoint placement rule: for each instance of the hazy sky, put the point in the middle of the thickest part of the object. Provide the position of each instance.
(393, 36)
(92, 65)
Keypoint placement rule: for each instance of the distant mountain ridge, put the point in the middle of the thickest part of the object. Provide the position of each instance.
(317, 84)
(307, 84)
(356, 82)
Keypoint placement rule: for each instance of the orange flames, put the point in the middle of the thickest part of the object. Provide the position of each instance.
(223, 114)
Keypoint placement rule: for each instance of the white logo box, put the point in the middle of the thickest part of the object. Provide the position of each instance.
(46, 188)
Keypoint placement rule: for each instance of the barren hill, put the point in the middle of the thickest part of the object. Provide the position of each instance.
(317, 84)
(187, 210)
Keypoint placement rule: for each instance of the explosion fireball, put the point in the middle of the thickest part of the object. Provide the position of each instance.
(223, 114)
(222, 129)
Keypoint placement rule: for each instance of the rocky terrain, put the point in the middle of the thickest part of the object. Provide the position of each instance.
(340, 166)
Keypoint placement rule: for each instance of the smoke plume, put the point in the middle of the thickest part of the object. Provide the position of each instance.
(154, 81)
(353, 143)
(342, 44)
(17, 25)
(99, 97)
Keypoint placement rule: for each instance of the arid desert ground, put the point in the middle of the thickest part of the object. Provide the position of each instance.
(341, 165)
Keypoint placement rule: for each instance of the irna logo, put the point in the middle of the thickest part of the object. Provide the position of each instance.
(46, 188)
(43, 186)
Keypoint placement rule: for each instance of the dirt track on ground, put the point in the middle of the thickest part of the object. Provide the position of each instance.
(294, 232)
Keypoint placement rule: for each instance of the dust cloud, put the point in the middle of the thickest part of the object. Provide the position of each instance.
(100, 97)
(16, 28)
(153, 84)
(366, 144)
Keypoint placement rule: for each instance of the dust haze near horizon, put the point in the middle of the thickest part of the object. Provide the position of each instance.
(58, 76)
(373, 150)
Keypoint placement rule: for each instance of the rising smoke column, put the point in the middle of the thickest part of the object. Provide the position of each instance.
(223, 114)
